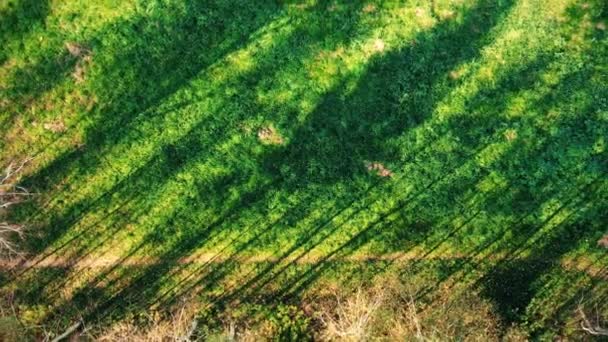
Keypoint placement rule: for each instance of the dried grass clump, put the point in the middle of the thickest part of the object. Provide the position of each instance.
(76, 50)
(352, 317)
(369, 8)
(453, 315)
(510, 134)
(379, 169)
(379, 45)
(10, 329)
(178, 326)
(393, 312)
(270, 136)
(83, 56)
(603, 242)
(56, 126)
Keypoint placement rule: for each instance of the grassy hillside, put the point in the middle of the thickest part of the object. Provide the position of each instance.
(268, 162)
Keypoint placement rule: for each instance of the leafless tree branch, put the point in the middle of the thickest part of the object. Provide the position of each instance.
(10, 194)
(68, 332)
(593, 329)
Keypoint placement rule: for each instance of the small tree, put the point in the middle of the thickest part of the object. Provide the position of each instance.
(10, 194)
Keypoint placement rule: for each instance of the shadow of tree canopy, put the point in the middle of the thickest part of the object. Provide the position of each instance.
(18, 18)
(523, 187)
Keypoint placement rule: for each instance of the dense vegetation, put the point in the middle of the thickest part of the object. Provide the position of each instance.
(260, 159)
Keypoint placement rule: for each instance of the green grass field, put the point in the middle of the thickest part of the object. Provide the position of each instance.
(255, 157)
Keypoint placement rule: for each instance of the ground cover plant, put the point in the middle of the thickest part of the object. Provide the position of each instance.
(288, 170)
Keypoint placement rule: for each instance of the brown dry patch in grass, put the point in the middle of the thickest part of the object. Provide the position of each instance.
(369, 8)
(603, 242)
(80, 69)
(337, 53)
(352, 317)
(379, 169)
(582, 264)
(56, 126)
(83, 54)
(79, 73)
(4, 103)
(510, 134)
(455, 75)
(373, 47)
(109, 260)
(76, 50)
(386, 309)
(88, 102)
(269, 135)
(446, 15)
(379, 45)
(389, 310)
(176, 325)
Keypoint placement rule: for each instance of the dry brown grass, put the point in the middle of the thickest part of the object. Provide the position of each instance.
(390, 311)
(10, 329)
(76, 50)
(510, 134)
(369, 8)
(83, 56)
(379, 45)
(352, 317)
(379, 169)
(269, 135)
(453, 317)
(56, 126)
(603, 242)
(177, 326)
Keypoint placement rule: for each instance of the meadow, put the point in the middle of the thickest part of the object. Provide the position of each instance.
(294, 170)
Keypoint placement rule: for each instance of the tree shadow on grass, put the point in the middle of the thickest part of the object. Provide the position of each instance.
(172, 158)
(331, 147)
(17, 19)
(338, 127)
(514, 284)
(549, 186)
(168, 55)
(343, 156)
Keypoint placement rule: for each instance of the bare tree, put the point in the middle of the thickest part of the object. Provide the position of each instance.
(10, 194)
(589, 327)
